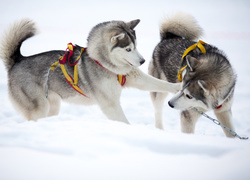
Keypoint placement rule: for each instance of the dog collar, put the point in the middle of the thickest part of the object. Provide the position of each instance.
(121, 78)
(199, 44)
(218, 107)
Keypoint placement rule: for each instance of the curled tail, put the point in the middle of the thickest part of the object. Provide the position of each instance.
(12, 41)
(180, 24)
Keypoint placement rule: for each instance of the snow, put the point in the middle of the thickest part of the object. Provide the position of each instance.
(80, 143)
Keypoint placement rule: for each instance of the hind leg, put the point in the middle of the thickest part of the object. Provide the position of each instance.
(36, 109)
(158, 102)
(39, 109)
(54, 103)
(32, 104)
(188, 120)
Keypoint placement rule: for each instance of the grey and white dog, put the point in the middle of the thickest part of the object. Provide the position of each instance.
(111, 51)
(208, 80)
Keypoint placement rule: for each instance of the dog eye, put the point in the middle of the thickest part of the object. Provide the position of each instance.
(188, 96)
(128, 49)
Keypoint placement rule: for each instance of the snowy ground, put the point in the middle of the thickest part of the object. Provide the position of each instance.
(81, 143)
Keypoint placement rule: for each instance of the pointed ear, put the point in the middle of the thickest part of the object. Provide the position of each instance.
(191, 62)
(184, 72)
(133, 23)
(117, 37)
(203, 85)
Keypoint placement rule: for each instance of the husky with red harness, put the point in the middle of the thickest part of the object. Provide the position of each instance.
(92, 75)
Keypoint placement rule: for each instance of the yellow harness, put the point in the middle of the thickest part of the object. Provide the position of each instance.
(73, 82)
(200, 46)
(62, 60)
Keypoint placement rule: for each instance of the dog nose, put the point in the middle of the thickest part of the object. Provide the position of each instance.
(142, 61)
(171, 105)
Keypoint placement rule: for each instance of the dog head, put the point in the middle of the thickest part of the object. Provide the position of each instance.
(207, 83)
(113, 44)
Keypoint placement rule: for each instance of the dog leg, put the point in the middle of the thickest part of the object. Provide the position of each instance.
(31, 105)
(143, 81)
(188, 120)
(158, 100)
(36, 109)
(225, 117)
(39, 109)
(54, 102)
(114, 111)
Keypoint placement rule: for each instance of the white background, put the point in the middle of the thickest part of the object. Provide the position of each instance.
(80, 143)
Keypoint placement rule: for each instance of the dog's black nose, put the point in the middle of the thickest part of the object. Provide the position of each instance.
(142, 61)
(171, 105)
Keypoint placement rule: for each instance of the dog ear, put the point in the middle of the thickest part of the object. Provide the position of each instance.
(133, 23)
(184, 72)
(191, 62)
(203, 85)
(117, 37)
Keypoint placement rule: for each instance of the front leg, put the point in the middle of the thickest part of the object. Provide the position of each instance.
(113, 111)
(138, 79)
(188, 120)
(225, 118)
(158, 100)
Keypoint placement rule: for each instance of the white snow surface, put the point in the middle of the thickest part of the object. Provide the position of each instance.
(81, 143)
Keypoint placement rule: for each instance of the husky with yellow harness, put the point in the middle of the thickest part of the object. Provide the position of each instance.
(92, 75)
(208, 80)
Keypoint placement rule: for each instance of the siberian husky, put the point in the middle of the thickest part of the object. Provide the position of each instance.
(208, 78)
(111, 51)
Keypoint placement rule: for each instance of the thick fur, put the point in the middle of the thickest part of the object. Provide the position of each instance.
(112, 44)
(180, 24)
(208, 81)
(12, 41)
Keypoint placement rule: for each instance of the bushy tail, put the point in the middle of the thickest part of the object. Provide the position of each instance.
(180, 24)
(12, 41)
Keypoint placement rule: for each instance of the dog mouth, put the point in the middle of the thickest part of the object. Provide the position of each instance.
(128, 62)
(141, 62)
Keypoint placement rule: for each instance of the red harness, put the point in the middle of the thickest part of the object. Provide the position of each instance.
(73, 82)
(62, 60)
(218, 107)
